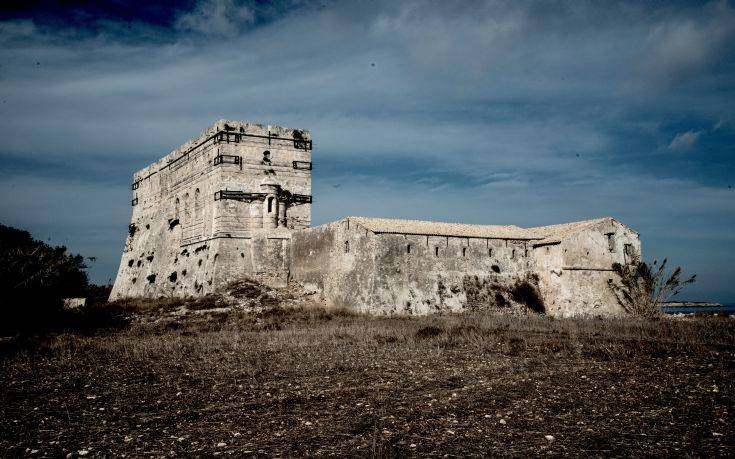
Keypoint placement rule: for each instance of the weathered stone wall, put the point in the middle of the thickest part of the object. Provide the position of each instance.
(575, 273)
(186, 239)
(421, 274)
(402, 273)
(338, 259)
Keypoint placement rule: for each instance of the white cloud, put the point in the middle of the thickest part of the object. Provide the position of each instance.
(684, 140)
(217, 18)
(683, 46)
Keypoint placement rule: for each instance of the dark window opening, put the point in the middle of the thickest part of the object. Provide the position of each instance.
(436, 251)
(513, 254)
(408, 248)
(266, 157)
(495, 268)
(628, 252)
(270, 205)
(489, 252)
(347, 246)
(303, 165)
(227, 159)
(464, 251)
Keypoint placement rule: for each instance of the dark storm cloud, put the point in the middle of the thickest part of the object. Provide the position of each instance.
(488, 112)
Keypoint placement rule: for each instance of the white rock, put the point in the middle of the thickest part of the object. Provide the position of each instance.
(221, 444)
(502, 421)
(549, 437)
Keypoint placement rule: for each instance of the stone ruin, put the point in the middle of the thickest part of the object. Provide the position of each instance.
(235, 203)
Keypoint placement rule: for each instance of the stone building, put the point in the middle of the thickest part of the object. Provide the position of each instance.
(236, 202)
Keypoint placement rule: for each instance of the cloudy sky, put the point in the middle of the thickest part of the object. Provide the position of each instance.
(514, 112)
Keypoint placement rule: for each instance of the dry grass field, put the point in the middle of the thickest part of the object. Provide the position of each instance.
(309, 382)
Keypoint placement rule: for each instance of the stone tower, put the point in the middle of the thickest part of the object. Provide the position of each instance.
(219, 207)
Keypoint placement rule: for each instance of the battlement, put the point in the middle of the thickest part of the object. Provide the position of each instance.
(229, 131)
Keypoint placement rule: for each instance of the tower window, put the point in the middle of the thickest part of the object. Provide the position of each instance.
(611, 241)
(347, 246)
(270, 205)
(512, 254)
(489, 252)
(408, 248)
(464, 251)
(436, 251)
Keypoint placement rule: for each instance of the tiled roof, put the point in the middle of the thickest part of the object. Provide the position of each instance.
(553, 234)
(388, 225)
(540, 235)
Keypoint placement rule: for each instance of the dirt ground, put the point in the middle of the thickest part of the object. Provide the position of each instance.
(316, 383)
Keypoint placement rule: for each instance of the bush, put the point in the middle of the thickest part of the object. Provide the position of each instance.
(35, 278)
(643, 287)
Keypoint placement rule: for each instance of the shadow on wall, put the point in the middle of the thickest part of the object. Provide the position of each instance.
(497, 293)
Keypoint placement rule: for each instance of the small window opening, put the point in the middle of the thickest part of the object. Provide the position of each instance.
(408, 248)
(347, 246)
(270, 205)
(464, 251)
(266, 157)
(611, 242)
(513, 254)
(436, 251)
(489, 252)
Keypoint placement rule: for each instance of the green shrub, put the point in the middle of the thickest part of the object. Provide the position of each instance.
(643, 287)
(35, 278)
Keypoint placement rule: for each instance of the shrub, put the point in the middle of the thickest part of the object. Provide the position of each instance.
(643, 287)
(35, 278)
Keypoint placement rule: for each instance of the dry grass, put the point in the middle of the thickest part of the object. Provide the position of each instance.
(314, 382)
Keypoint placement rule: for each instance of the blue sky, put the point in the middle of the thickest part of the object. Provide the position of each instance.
(505, 112)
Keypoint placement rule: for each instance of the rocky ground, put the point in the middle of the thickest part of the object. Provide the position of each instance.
(206, 378)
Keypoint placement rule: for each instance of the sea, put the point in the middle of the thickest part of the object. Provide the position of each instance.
(725, 309)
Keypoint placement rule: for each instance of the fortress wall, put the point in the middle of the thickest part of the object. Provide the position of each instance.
(183, 241)
(379, 273)
(575, 273)
(343, 273)
(445, 273)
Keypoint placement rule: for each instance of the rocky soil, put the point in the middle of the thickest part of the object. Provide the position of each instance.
(277, 375)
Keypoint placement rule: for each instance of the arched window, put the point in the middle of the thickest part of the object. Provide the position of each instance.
(196, 203)
(270, 204)
(176, 209)
(187, 210)
(347, 246)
